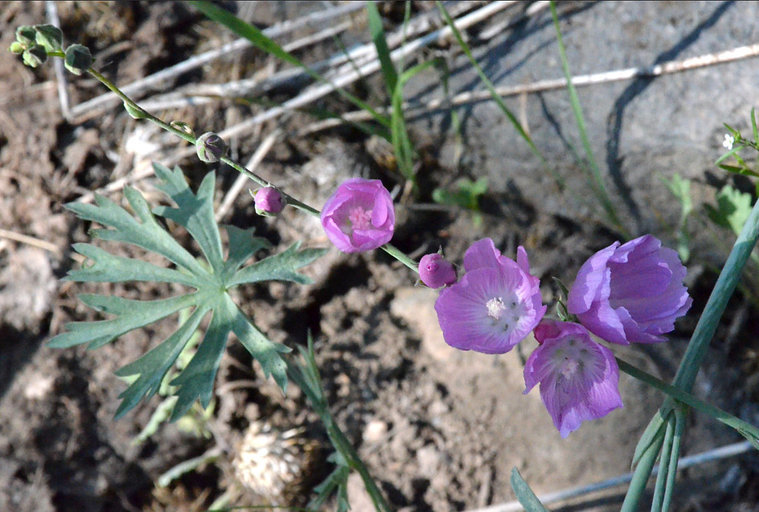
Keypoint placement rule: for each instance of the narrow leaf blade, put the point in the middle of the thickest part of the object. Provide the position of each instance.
(196, 380)
(280, 266)
(266, 352)
(194, 212)
(108, 268)
(131, 314)
(153, 366)
(524, 494)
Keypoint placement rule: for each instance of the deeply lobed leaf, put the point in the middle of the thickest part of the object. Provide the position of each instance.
(193, 211)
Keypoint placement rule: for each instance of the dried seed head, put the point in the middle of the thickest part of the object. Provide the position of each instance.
(275, 465)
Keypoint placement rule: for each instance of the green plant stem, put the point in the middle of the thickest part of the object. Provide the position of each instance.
(400, 256)
(640, 477)
(715, 306)
(674, 458)
(292, 201)
(747, 430)
(308, 379)
(150, 117)
(694, 355)
(661, 477)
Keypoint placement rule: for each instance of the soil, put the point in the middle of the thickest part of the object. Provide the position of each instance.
(438, 428)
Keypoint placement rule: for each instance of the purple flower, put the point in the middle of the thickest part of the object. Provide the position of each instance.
(268, 201)
(631, 293)
(436, 272)
(359, 216)
(494, 306)
(578, 377)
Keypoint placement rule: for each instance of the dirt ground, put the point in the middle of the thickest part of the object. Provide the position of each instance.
(438, 428)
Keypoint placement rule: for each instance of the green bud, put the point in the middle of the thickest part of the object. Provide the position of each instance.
(26, 35)
(135, 113)
(50, 37)
(210, 147)
(34, 56)
(17, 48)
(78, 59)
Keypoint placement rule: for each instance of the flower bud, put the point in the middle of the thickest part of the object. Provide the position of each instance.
(34, 56)
(210, 147)
(78, 59)
(26, 35)
(17, 48)
(436, 272)
(269, 201)
(49, 36)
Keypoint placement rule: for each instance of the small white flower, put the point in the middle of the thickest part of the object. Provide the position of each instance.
(728, 142)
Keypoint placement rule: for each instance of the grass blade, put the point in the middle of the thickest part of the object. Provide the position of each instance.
(494, 94)
(260, 41)
(597, 182)
(383, 51)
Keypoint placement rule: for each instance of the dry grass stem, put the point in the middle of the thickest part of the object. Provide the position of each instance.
(93, 107)
(710, 59)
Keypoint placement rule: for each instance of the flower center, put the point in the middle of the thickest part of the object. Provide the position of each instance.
(360, 218)
(496, 307)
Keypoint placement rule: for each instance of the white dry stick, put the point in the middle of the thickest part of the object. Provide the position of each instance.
(241, 180)
(464, 98)
(312, 94)
(94, 106)
(200, 94)
(723, 452)
(498, 28)
(30, 240)
(51, 11)
(316, 92)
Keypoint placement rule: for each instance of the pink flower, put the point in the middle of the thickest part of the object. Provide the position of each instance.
(631, 293)
(359, 216)
(578, 378)
(494, 306)
(268, 201)
(436, 272)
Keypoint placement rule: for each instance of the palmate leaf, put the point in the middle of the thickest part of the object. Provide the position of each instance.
(211, 282)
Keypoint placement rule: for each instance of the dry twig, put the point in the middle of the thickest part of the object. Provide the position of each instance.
(96, 105)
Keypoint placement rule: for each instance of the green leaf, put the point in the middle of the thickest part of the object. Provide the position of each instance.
(335, 481)
(108, 268)
(130, 315)
(145, 233)
(466, 194)
(279, 267)
(265, 351)
(733, 208)
(754, 129)
(196, 380)
(380, 43)
(153, 366)
(242, 245)
(49, 36)
(680, 188)
(194, 212)
(524, 494)
(211, 280)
